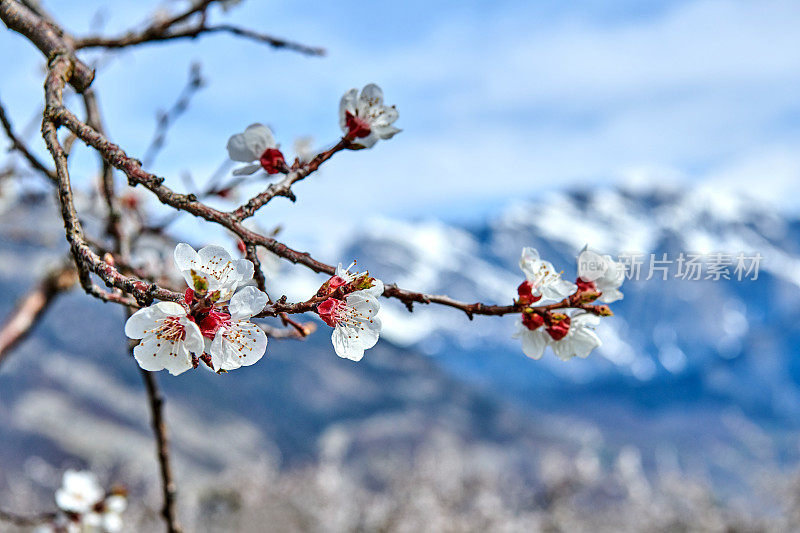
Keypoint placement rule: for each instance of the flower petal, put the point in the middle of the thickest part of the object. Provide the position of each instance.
(194, 341)
(186, 259)
(377, 288)
(242, 344)
(386, 132)
(179, 361)
(247, 170)
(347, 103)
(382, 116)
(247, 302)
(558, 289)
(529, 262)
(144, 319)
(533, 342)
(249, 146)
(371, 95)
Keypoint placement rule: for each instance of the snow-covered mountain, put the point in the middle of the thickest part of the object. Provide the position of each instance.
(704, 370)
(717, 355)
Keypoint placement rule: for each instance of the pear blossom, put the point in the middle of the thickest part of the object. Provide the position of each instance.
(600, 273)
(568, 336)
(542, 280)
(212, 270)
(256, 146)
(84, 506)
(365, 118)
(579, 339)
(79, 492)
(611, 281)
(534, 337)
(238, 342)
(170, 340)
(355, 322)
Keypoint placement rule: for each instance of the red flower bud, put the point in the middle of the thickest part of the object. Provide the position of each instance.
(557, 325)
(585, 286)
(525, 291)
(532, 320)
(240, 245)
(188, 296)
(272, 161)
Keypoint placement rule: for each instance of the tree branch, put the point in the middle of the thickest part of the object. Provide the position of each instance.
(156, 403)
(32, 306)
(47, 37)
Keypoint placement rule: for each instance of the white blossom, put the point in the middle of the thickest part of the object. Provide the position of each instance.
(580, 340)
(606, 274)
(249, 146)
(366, 117)
(240, 342)
(356, 326)
(212, 269)
(79, 492)
(169, 338)
(544, 279)
(610, 282)
(533, 341)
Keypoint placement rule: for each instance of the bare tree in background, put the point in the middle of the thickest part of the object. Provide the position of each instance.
(109, 265)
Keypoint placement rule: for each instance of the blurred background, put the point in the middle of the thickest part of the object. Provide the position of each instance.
(661, 127)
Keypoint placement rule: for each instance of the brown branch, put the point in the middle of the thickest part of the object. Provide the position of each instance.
(114, 222)
(284, 186)
(165, 119)
(47, 37)
(32, 306)
(86, 260)
(163, 33)
(26, 521)
(298, 331)
(18, 145)
(156, 402)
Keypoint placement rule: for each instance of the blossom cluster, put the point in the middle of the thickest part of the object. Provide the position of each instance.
(363, 118)
(212, 325)
(84, 507)
(567, 324)
(351, 308)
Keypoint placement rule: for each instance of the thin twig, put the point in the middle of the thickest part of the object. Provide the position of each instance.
(156, 402)
(166, 119)
(26, 521)
(31, 307)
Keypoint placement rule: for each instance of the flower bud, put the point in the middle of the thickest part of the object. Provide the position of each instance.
(603, 310)
(525, 292)
(557, 325)
(272, 161)
(532, 320)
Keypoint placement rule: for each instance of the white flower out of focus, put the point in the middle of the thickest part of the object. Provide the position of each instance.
(255, 146)
(365, 118)
(79, 492)
(84, 506)
(169, 338)
(544, 281)
(578, 340)
(606, 274)
(212, 270)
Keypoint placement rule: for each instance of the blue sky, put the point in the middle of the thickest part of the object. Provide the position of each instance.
(498, 100)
